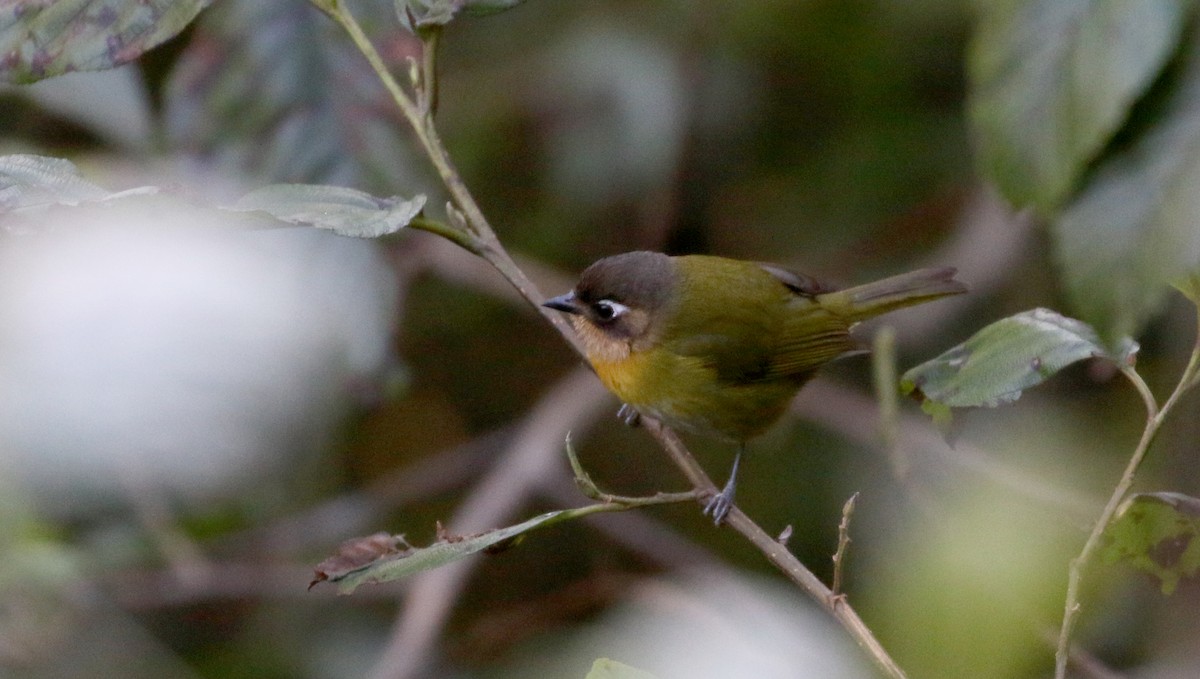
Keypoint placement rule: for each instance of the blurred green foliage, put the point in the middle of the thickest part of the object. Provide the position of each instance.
(844, 138)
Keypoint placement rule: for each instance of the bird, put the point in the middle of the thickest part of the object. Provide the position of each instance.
(718, 346)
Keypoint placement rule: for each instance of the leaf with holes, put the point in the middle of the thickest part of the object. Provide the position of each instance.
(1157, 533)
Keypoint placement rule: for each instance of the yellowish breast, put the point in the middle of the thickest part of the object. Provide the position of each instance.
(625, 376)
(687, 395)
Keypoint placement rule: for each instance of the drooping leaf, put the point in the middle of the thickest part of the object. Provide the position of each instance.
(1158, 533)
(997, 363)
(604, 668)
(29, 180)
(1052, 80)
(1133, 231)
(441, 12)
(44, 38)
(394, 565)
(345, 211)
(417, 14)
(357, 553)
(275, 89)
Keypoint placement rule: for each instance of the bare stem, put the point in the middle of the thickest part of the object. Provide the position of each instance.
(777, 553)
(884, 379)
(839, 557)
(617, 503)
(429, 83)
(456, 236)
(1155, 417)
(590, 489)
(836, 606)
(420, 119)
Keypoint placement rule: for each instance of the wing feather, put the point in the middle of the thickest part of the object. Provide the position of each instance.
(745, 342)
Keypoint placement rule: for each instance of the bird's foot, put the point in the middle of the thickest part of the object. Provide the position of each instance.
(720, 504)
(718, 507)
(630, 416)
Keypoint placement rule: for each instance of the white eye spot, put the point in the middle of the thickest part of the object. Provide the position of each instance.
(606, 309)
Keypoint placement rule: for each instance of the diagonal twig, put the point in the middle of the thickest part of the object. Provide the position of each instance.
(570, 404)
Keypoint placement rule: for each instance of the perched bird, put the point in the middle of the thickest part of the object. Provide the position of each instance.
(720, 346)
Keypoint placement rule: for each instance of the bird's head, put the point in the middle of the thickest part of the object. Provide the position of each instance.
(620, 302)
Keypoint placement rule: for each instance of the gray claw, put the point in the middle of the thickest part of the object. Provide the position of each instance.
(718, 507)
(720, 504)
(629, 415)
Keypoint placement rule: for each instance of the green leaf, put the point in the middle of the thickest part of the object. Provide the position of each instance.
(275, 89)
(1052, 80)
(1133, 231)
(32, 181)
(441, 12)
(1157, 533)
(417, 14)
(391, 564)
(997, 363)
(43, 39)
(345, 211)
(488, 7)
(604, 668)
(1189, 285)
(28, 181)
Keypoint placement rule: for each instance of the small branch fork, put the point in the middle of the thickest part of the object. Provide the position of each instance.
(470, 229)
(839, 557)
(775, 552)
(590, 489)
(1155, 416)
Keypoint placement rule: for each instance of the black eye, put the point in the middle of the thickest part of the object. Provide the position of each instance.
(606, 310)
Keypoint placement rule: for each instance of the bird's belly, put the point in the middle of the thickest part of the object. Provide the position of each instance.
(686, 394)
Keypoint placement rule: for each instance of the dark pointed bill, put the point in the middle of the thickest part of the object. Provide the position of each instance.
(565, 303)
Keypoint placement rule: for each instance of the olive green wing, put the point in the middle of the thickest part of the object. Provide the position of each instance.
(757, 323)
(809, 335)
(747, 350)
(734, 344)
(810, 339)
(750, 322)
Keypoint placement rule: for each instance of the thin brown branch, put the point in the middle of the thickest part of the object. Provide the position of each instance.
(836, 606)
(571, 404)
(640, 532)
(353, 512)
(776, 553)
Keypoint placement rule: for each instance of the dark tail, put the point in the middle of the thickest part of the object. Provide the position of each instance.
(872, 299)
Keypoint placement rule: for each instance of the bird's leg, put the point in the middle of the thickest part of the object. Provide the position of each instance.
(722, 502)
(630, 416)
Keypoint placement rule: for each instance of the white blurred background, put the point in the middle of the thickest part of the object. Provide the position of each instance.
(145, 345)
